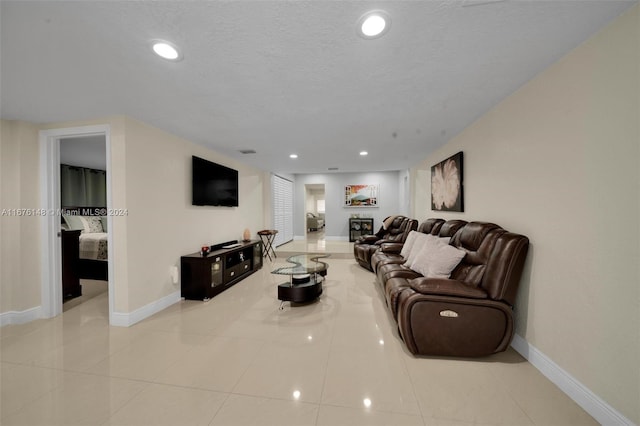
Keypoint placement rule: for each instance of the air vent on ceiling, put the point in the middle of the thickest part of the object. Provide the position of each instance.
(333, 168)
(247, 151)
(472, 3)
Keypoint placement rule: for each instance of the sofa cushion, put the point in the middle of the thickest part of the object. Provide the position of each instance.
(437, 259)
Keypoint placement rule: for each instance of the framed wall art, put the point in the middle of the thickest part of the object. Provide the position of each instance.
(447, 185)
(361, 196)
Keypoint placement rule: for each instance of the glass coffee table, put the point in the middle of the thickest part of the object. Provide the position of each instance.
(305, 278)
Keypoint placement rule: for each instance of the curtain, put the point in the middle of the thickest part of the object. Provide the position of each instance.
(82, 187)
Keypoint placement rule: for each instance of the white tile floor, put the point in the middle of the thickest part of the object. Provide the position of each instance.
(238, 360)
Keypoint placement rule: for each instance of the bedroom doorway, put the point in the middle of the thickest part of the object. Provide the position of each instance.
(83, 192)
(50, 179)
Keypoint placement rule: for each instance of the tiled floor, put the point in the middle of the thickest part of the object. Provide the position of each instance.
(238, 360)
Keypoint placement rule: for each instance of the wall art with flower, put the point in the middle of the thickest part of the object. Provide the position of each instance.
(447, 185)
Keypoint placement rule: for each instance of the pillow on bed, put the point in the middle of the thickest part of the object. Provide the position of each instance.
(73, 222)
(88, 224)
(92, 224)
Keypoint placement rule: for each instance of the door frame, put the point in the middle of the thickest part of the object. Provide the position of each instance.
(51, 248)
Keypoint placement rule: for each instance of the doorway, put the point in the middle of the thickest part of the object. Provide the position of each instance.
(83, 183)
(50, 160)
(315, 212)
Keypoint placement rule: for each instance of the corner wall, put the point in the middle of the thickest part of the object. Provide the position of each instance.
(20, 235)
(559, 161)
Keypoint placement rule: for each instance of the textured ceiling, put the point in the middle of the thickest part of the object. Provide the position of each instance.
(286, 77)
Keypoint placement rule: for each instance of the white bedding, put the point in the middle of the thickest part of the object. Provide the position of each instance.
(93, 245)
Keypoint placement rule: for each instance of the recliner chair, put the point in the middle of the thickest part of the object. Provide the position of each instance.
(469, 314)
(396, 232)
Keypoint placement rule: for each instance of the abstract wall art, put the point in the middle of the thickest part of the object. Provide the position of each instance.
(447, 185)
(361, 196)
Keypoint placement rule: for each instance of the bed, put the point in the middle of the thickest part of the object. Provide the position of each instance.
(84, 250)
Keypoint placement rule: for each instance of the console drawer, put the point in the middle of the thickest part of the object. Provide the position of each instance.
(236, 271)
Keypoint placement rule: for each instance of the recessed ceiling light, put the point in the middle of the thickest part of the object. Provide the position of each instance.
(374, 24)
(166, 50)
(293, 156)
(363, 153)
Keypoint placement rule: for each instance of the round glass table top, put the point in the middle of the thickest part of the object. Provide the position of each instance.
(307, 263)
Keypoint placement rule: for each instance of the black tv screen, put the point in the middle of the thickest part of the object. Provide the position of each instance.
(213, 184)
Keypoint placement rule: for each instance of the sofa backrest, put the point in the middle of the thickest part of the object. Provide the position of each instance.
(398, 230)
(494, 260)
(437, 226)
(431, 226)
(450, 227)
(504, 269)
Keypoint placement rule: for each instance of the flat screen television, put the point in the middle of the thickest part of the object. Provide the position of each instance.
(213, 184)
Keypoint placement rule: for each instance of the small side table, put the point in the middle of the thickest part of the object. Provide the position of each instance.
(267, 236)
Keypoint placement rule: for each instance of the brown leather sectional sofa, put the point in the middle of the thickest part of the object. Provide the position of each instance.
(470, 313)
(396, 232)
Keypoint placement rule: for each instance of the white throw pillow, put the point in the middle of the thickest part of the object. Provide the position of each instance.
(437, 260)
(444, 240)
(420, 240)
(408, 243)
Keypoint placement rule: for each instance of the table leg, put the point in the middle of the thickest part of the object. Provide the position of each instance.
(268, 246)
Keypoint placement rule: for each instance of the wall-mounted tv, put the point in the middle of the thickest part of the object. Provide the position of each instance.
(213, 184)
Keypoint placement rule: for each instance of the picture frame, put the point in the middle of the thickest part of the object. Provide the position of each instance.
(361, 195)
(447, 184)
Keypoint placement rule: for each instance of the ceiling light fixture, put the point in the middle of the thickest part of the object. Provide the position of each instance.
(166, 50)
(363, 153)
(374, 24)
(293, 156)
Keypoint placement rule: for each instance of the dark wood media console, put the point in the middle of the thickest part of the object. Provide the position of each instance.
(203, 277)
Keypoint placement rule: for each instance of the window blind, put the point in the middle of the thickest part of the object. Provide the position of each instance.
(282, 192)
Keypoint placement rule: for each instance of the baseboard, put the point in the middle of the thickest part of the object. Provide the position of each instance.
(583, 396)
(119, 319)
(20, 317)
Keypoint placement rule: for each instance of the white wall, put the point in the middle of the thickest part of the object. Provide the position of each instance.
(558, 161)
(337, 216)
(162, 224)
(19, 235)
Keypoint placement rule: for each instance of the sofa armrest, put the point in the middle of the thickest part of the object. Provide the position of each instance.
(384, 240)
(446, 287)
(394, 248)
(367, 239)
